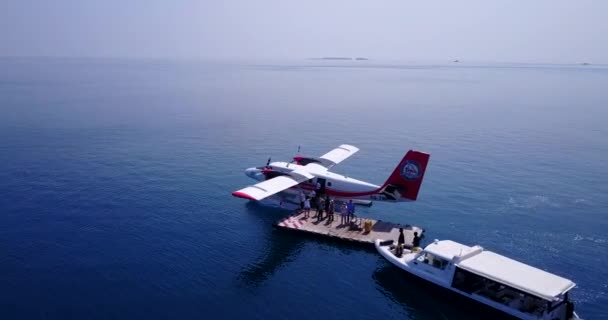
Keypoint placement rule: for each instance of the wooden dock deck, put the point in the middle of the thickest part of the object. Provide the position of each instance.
(379, 229)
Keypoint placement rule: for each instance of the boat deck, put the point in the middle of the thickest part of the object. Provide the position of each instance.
(353, 233)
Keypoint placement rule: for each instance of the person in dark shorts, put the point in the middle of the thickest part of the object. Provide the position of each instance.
(416, 242)
(350, 207)
(400, 243)
(302, 198)
(320, 206)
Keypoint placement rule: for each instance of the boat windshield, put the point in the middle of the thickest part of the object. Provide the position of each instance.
(432, 260)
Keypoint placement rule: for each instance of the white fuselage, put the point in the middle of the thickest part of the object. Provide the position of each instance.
(333, 184)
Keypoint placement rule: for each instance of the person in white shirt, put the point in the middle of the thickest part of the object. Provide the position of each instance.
(306, 207)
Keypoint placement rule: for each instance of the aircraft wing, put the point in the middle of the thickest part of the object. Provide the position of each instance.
(275, 185)
(338, 155)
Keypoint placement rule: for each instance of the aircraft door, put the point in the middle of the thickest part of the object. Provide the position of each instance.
(323, 183)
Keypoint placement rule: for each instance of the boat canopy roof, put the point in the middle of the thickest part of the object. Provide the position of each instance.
(517, 275)
(447, 249)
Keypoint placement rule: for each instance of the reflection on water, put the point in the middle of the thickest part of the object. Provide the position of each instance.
(279, 249)
(420, 300)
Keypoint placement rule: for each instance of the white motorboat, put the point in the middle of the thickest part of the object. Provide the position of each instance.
(508, 287)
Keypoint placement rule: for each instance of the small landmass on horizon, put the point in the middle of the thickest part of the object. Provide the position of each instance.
(341, 58)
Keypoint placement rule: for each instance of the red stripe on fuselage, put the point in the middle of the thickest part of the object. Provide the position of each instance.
(337, 193)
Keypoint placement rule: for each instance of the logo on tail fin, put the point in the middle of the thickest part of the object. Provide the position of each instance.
(410, 170)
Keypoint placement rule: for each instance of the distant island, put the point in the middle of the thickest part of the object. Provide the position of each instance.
(336, 58)
(340, 58)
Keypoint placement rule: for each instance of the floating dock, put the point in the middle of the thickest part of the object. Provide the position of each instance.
(354, 232)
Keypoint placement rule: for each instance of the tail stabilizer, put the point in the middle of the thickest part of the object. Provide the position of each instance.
(405, 181)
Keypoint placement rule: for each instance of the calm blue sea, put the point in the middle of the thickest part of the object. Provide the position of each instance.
(116, 180)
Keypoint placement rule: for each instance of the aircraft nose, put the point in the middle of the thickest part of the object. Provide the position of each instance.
(252, 172)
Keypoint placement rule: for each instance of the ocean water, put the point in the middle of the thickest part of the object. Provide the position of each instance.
(116, 180)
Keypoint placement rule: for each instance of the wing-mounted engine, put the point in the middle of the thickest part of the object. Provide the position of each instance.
(305, 160)
(270, 173)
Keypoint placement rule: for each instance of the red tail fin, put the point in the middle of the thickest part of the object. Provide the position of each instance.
(407, 177)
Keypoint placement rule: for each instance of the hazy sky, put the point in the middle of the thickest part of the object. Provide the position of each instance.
(483, 30)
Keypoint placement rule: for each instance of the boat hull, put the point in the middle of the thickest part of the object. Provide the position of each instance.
(483, 310)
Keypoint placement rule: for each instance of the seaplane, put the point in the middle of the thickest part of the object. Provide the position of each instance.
(288, 179)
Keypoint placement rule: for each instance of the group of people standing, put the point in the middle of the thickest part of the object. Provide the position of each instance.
(315, 200)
